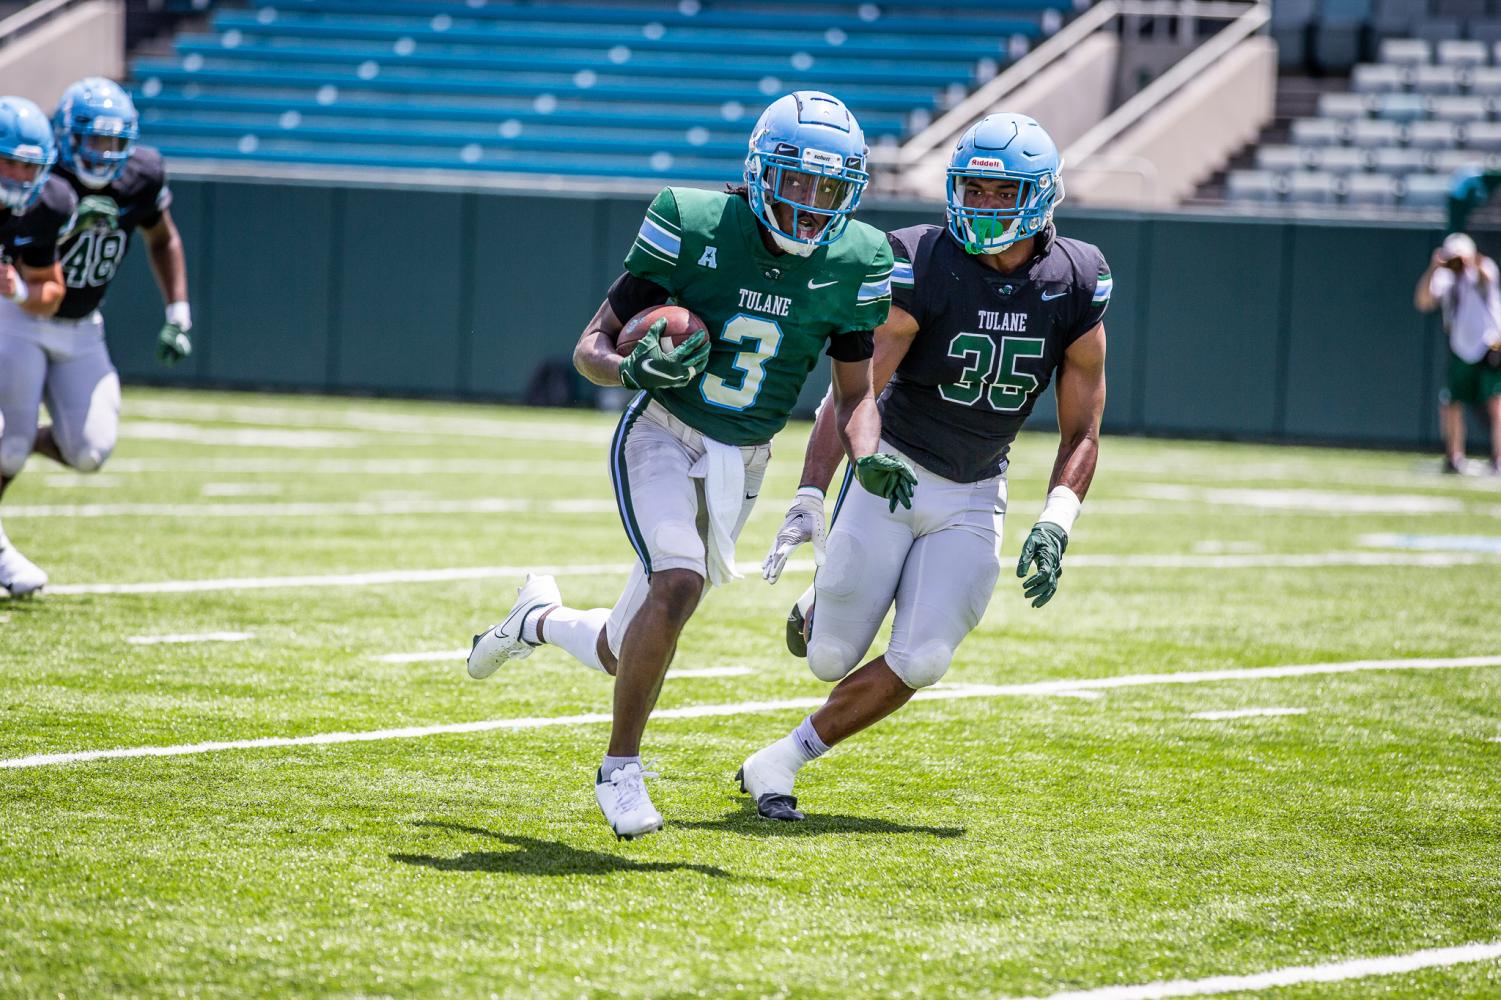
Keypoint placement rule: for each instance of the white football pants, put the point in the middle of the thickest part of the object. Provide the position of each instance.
(938, 562)
(656, 463)
(66, 364)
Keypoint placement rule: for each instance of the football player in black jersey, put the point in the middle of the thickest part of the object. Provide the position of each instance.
(120, 187)
(984, 314)
(35, 208)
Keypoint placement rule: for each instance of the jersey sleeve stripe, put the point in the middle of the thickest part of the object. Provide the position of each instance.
(656, 238)
(873, 291)
(647, 251)
(901, 275)
(664, 223)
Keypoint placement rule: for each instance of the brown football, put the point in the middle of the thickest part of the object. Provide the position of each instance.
(681, 324)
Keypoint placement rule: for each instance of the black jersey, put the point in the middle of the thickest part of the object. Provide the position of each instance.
(91, 253)
(32, 238)
(987, 345)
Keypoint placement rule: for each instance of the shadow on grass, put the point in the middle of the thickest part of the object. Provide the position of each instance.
(745, 820)
(541, 857)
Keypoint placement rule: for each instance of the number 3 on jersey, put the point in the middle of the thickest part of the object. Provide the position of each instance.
(997, 379)
(767, 337)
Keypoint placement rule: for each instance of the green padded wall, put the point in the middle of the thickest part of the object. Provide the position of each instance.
(1218, 326)
(274, 329)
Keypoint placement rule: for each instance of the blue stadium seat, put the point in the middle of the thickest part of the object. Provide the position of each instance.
(649, 88)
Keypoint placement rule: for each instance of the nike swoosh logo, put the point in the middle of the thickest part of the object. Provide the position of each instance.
(21, 241)
(1056, 295)
(821, 284)
(655, 370)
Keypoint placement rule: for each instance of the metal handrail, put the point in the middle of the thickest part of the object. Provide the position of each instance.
(1250, 21)
(959, 117)
(943, 129)
(31, 17)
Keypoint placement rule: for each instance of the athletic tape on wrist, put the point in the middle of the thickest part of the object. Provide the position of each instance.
(1061, 509)
(180, 315)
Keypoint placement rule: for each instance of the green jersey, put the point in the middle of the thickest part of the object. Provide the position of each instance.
(769, 316)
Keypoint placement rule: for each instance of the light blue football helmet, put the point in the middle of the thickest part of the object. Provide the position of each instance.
(25, 137)
(806, 152)
(96, 124)
(1005, 147)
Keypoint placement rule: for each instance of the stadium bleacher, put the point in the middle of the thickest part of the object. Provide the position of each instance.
(1423, 103)
(648, 88)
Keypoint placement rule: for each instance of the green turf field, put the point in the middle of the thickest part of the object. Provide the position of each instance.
(1006, 837)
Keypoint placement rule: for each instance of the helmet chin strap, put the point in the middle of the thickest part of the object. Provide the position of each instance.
(795, 247)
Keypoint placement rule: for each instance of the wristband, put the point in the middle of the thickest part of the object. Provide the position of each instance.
(1061, 509)
(810, 491)
(22, 293)
(180, 316)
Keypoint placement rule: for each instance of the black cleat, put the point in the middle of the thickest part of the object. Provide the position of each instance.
(797, 638)
(771, 805)
(782, 807)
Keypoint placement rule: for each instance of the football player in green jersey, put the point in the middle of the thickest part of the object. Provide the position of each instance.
(778, 271)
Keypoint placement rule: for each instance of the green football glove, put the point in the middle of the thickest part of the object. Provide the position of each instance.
(650, 367)
(1044, 546)
(172, 344)
(887, 476)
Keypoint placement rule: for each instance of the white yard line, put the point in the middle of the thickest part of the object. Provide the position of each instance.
(301, 466)
(384, 422)
(240, 490)
(157, 640)
(1432, 543)
(395, 576)
(1333, 972)
(1247, 713)
(146, 430)
(355, 508)
(82, 481)
(944, 693)
(459, 655)
(1305, 501)
(1434, 560)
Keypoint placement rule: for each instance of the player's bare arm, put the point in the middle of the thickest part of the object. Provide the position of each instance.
(825, 447)
(594, 356)
(42, 287)
(164, 250)
(1081, 402)
(650, 365)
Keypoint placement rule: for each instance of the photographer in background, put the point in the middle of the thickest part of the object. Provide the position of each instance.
(1465, 284)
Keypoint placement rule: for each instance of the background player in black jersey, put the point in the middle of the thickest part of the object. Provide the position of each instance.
(35, 208)
(120, 187)
(982, 316)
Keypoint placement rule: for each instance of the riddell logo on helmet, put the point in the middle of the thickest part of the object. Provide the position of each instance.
(986, 163)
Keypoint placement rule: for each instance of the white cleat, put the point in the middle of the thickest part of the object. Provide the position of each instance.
(622, 798)
(767, 779)
(19, 575)
(503, 643)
